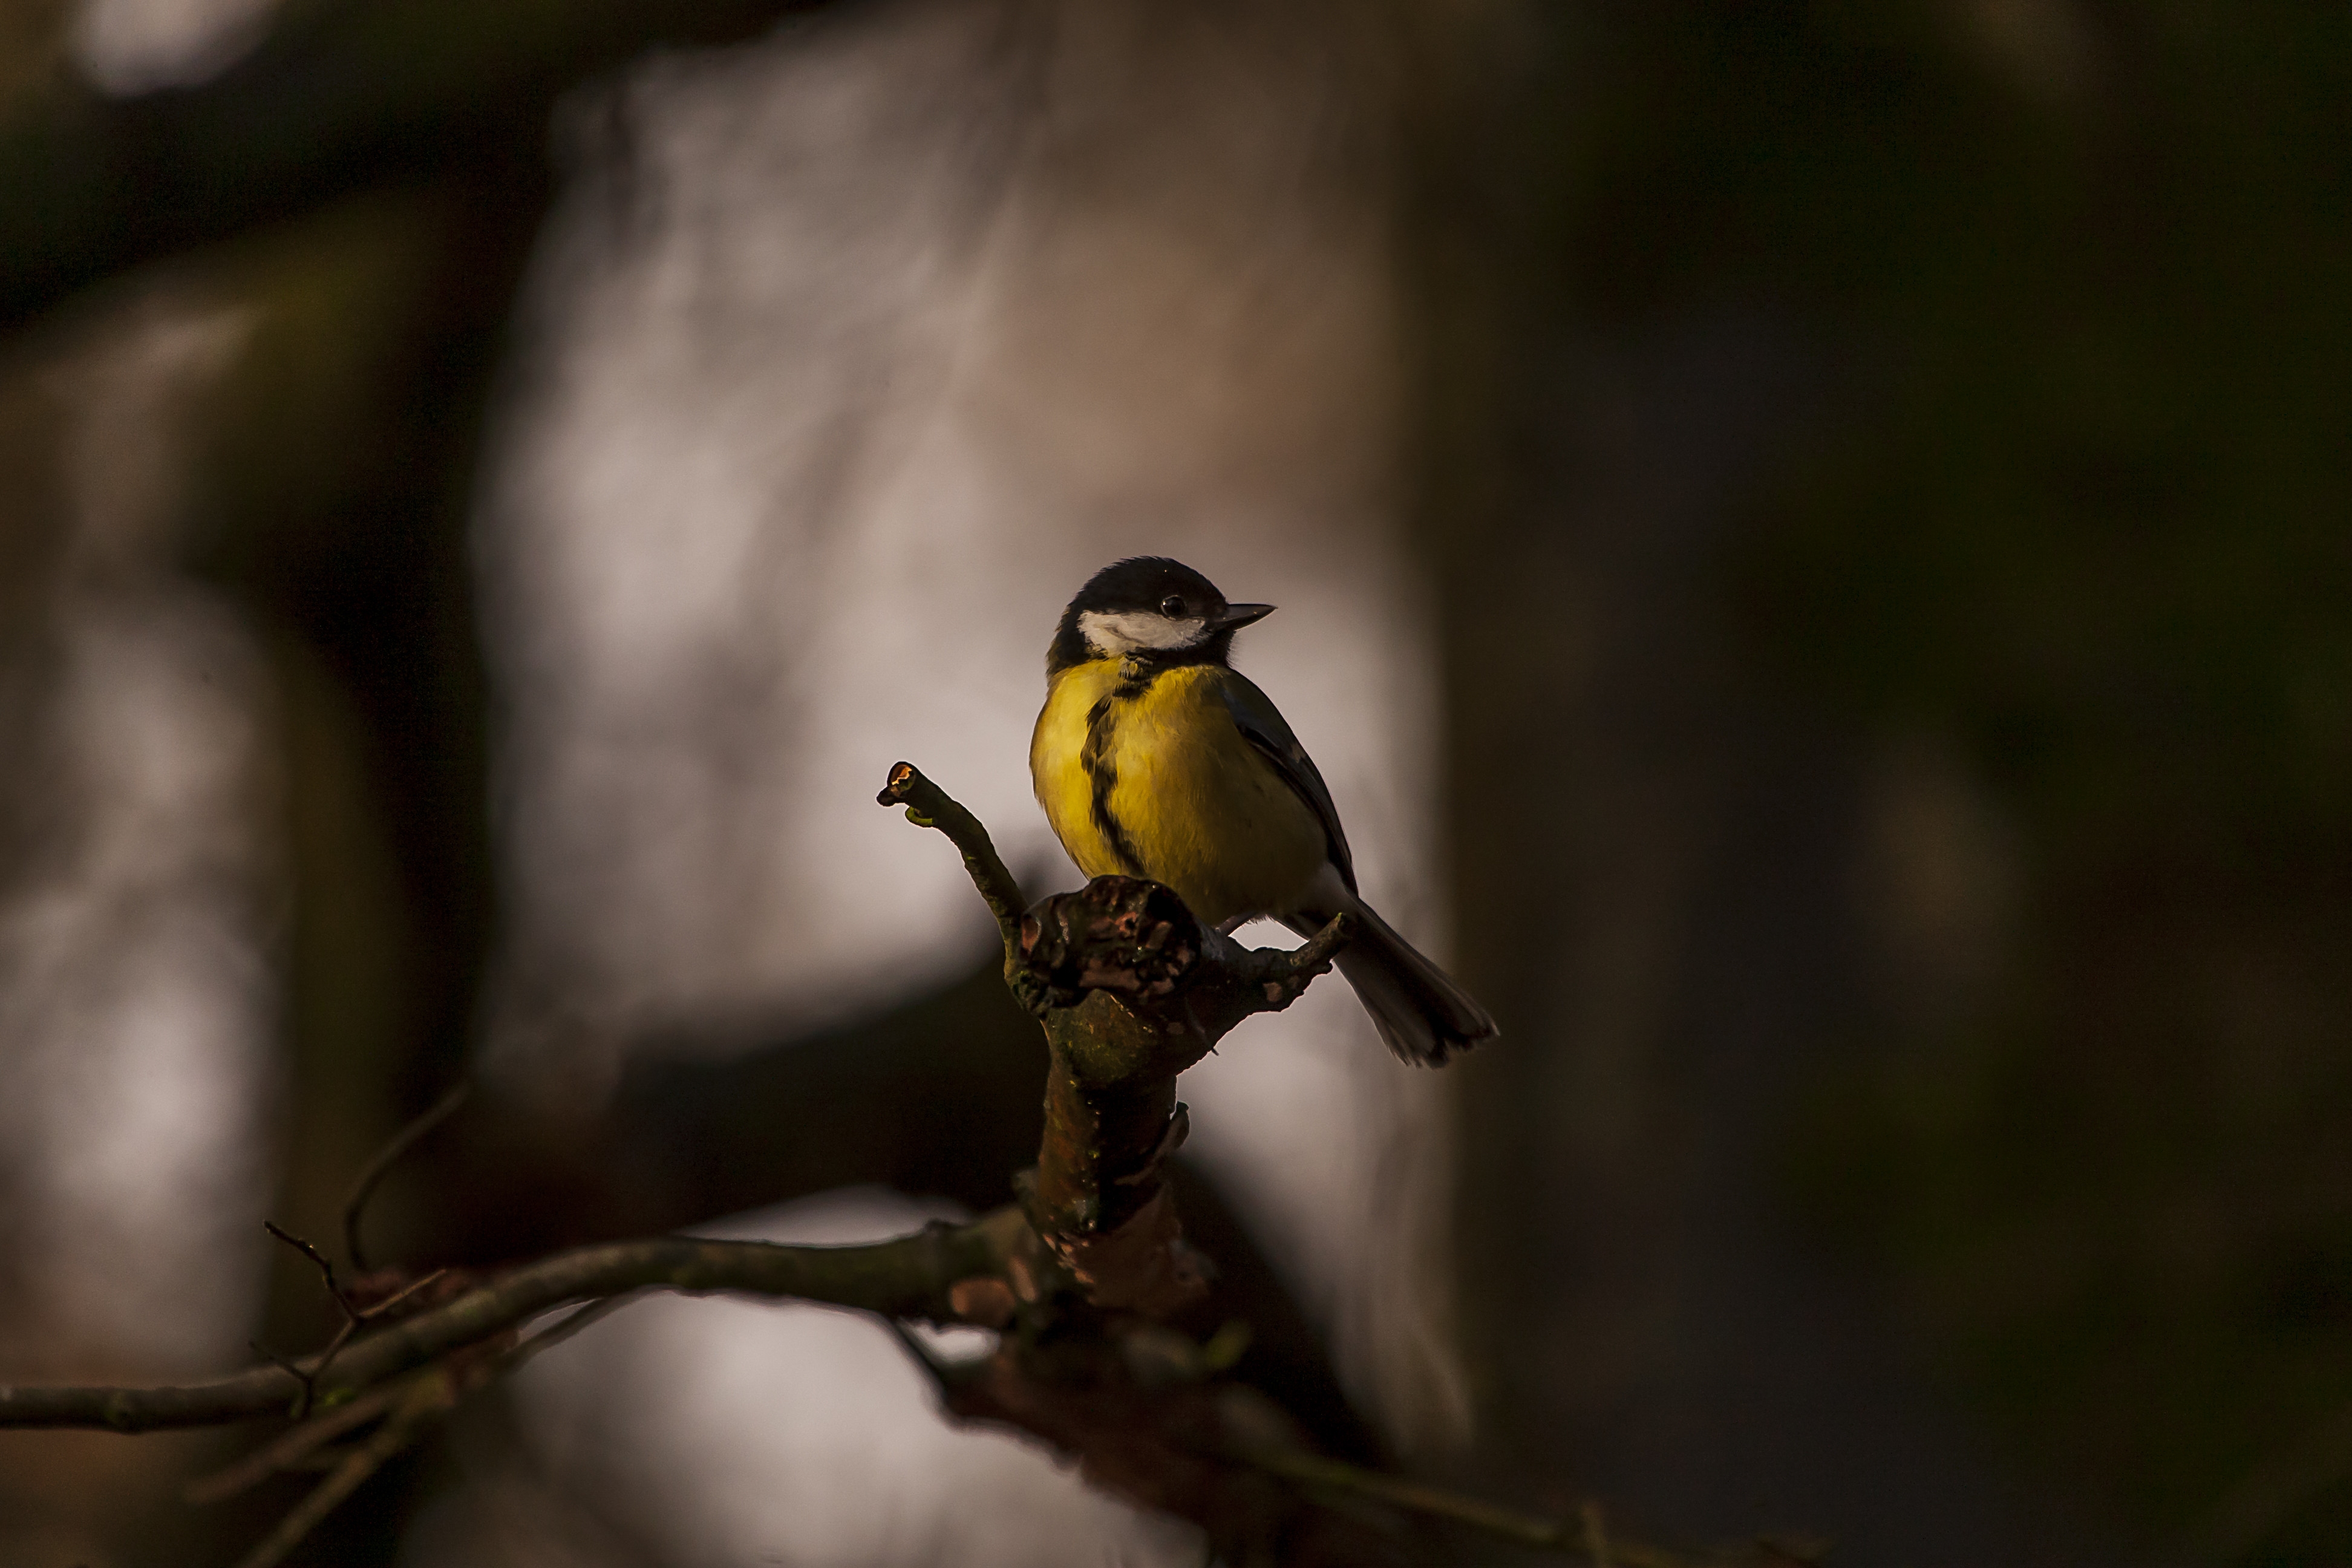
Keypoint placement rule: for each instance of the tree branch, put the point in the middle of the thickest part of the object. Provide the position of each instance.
(909, 1277)
(1131, 990)
(928, 805)
(1147, 992)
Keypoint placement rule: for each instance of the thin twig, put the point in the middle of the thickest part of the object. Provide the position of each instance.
(307, 1382)
(344, 1331)
(548, 1339)
(300, 1448)
(390, 1303)
(354, 1316)
(326, 1269)
(291, 1449)
(934, 1371)
(390, 1155)
(1582, 1538)
(427, 1398)
(326, 1358)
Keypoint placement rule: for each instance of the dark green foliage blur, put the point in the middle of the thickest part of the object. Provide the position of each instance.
(2078, 510)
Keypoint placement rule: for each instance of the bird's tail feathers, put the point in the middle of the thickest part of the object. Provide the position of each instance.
(1421, 1014)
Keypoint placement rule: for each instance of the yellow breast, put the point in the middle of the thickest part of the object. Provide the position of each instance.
(1152, 778)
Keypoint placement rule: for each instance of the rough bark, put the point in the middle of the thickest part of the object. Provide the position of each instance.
(1131, 990)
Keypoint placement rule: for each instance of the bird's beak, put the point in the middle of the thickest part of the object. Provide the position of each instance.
(1238, 616)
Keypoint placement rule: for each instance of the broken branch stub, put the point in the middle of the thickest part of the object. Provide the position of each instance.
(1131, 990)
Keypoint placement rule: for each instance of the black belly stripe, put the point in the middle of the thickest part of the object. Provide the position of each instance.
(1102, 773)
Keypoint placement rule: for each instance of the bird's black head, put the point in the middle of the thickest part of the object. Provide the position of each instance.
(1151, 608)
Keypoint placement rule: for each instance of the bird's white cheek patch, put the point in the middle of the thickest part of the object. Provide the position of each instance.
(1125, 631)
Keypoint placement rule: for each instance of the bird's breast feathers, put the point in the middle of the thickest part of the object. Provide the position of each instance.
(1144, 773)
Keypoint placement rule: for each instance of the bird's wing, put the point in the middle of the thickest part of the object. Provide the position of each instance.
(1262, 724)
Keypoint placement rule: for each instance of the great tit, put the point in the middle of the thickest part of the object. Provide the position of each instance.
(1154, 757)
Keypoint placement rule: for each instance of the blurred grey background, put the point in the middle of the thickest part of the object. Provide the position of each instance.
(1812, 548)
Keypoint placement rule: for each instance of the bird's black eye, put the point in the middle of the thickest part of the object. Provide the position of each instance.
(1172, 607)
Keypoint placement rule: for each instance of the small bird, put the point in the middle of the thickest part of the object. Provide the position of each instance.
(1154, 757)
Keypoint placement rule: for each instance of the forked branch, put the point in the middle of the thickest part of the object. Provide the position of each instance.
(1130, 990)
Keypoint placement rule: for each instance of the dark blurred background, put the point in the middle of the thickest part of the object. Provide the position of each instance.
(1812, 542)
